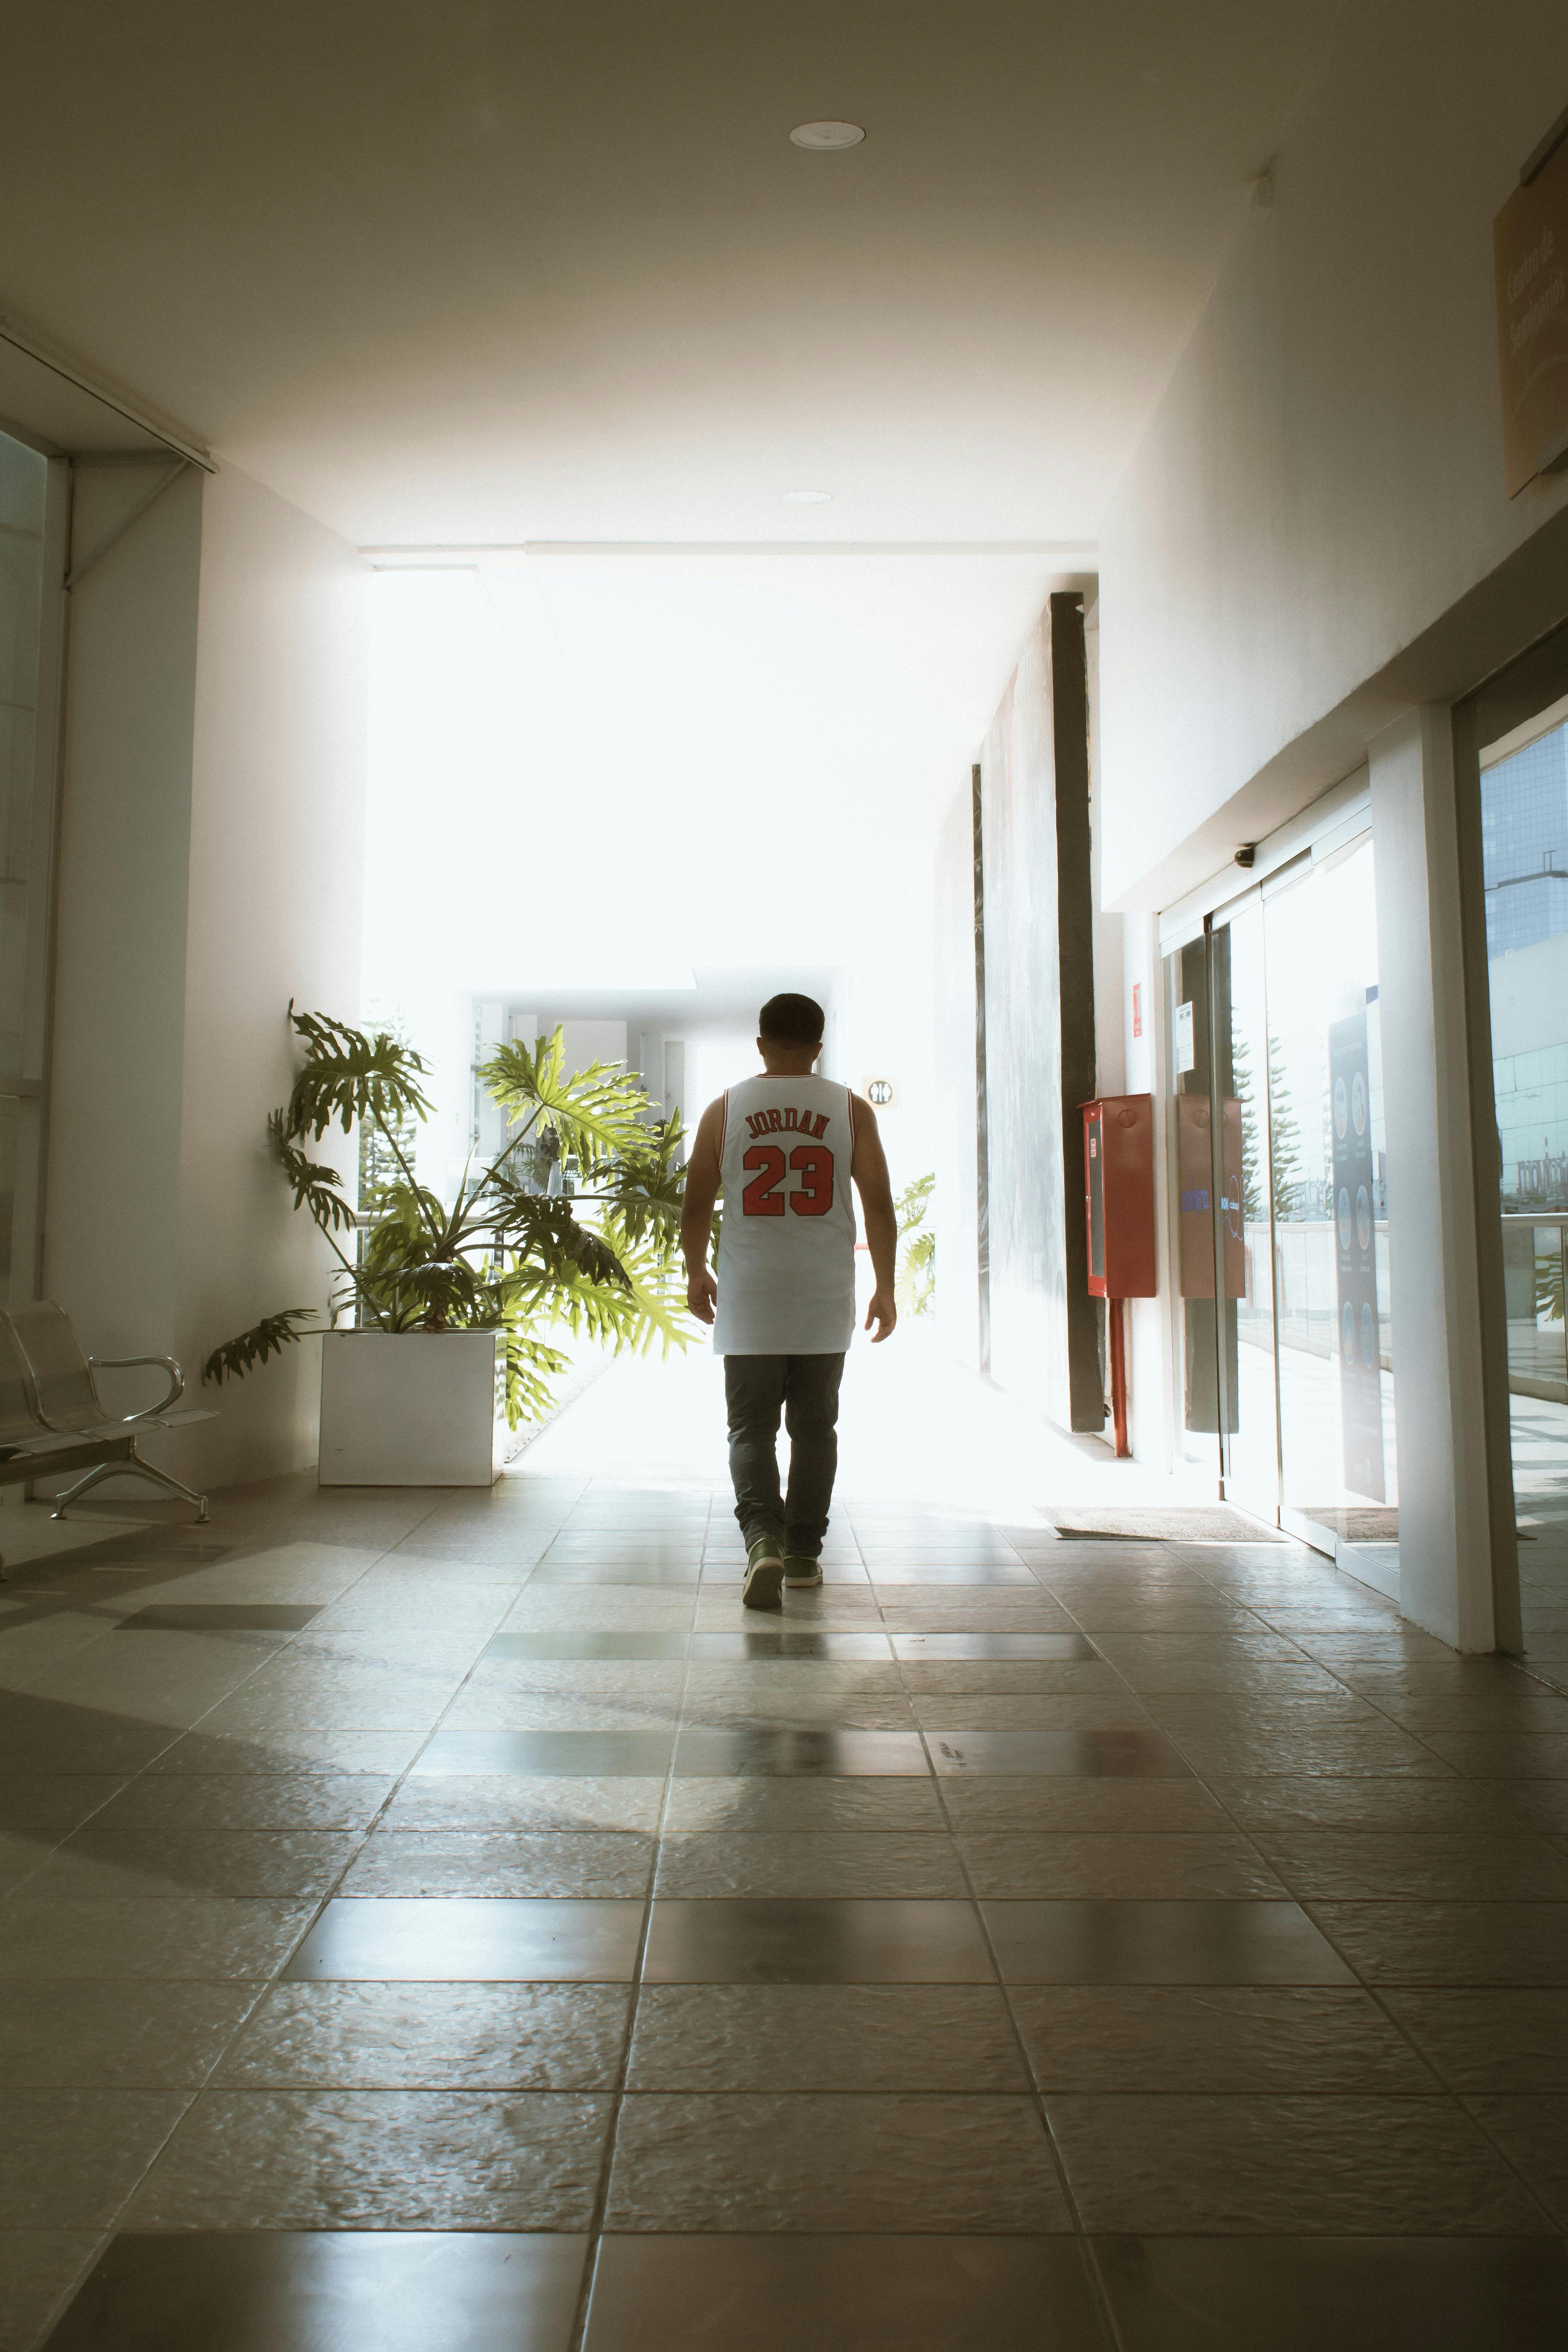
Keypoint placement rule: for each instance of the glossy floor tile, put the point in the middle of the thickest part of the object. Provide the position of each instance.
(1496, 2039)
(1214, 2038)
(1117, 1865)
(788, 1641)
(575, 1644)
(1275, 2167)
(436, 2036)
(773, 2293)
(1296, 2294)
(825, 2037)
(328, 2290)
(568, 1755)
(451, 1902)
(114, 2035)
(500, 1862)
(1067, 1755)
(792, 2162)
(1161, 1943)
(805, 1941)
(917, 1647)
(753, 1863)
(221, 1617)
(374, 2160)
(478, 1939)
(783, 1753)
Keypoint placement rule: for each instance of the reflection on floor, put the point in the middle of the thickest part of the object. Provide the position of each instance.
(447, 1920)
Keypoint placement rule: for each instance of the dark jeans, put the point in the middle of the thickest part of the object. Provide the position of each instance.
(806, 1389)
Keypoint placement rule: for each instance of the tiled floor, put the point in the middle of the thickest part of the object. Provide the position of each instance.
(447, 1920)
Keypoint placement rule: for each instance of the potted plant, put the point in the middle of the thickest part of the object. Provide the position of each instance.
(435, 1338)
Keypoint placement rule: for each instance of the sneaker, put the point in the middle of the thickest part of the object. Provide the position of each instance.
(765, 1573)
(798, 1570)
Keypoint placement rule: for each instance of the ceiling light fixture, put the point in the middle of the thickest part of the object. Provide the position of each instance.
(827, 136)
(808, 498)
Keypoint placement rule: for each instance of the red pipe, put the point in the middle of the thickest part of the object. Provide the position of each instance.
(1118, 1378)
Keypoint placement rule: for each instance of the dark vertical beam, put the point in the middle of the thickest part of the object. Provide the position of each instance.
(981, 1136)
(1075, 956)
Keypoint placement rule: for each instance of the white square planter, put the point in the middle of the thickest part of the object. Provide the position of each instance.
(413, 1408)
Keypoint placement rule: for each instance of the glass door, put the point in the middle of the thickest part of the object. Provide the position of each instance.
(1243, 1188)
(1521, 773)
(1280, 1194)
(1339, 1472)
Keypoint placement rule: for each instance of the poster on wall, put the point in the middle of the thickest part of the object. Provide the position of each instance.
(1529, 240)
(1355, 1258)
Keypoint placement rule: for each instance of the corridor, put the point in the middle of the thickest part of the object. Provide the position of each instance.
(445, 1920)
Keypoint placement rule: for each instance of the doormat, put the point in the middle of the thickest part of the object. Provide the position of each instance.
(1214, 1524)
(1369, 1524)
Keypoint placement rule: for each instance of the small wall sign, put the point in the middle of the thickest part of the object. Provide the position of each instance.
(882, 1094)
(1530, 244)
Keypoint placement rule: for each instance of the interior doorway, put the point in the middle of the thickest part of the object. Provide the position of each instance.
(1280, 1200)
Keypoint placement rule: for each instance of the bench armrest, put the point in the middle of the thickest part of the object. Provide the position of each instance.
(121, 1363)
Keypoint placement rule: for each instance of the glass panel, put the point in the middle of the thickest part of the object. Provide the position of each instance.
(24, 480)
(1191, 1178)
(1330, 1294)
(1525, 849)
(1241, 1055)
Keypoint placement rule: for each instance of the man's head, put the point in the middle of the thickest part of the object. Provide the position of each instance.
(789, 1033)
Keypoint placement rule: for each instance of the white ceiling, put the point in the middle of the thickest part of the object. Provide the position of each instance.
(500, 273)
(488, 275)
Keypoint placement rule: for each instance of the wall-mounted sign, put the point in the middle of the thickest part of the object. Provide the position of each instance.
(880, 1093)
(1187, 1049)
(1530, 244)
(1137, 1008)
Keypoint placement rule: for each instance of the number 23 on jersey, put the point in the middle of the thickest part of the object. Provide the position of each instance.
(765, 1163)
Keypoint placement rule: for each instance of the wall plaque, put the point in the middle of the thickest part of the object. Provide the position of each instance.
(1530, 244)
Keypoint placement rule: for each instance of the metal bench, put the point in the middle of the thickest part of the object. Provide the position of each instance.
(53, 1419)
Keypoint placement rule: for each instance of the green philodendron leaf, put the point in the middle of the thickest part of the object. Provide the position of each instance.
(268, 1337)
(505, 1254)
(914, 1285)
(348, 1074)
(315, 1187)
(597, 1113)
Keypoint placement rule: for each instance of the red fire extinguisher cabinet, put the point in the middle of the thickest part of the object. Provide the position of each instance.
(1119, 1195)
(1119, 1203)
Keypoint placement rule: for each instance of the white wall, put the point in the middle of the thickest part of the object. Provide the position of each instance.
(1323, 480)
(210, 869)
(276, 863)
(112, 1220)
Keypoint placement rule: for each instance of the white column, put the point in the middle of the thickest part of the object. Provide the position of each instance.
(1446, 1536)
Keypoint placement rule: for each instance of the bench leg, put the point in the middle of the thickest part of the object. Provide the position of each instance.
(134, 1467)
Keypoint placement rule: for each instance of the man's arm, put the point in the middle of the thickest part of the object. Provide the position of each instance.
(702, 1173)
(869, 1167)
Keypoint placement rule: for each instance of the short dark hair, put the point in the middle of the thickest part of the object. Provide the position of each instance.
(791, 1020)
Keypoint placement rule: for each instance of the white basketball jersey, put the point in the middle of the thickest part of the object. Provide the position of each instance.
(786, 1243)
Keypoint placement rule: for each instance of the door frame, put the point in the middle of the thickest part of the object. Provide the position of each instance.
(1522, 691)
(1332, 823)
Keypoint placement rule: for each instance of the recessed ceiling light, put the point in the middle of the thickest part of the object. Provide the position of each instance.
(826, 134)
(807, 498)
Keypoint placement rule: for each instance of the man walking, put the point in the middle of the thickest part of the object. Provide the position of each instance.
(783, 1149)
